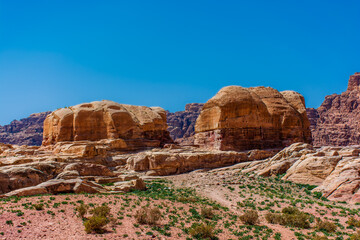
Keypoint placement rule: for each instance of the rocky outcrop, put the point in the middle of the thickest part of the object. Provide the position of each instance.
(238, 118)
(138, 126)
(335, 122)
(335, 170)
(181, 125)
(160, 162)
(82, 165)
(27, 131)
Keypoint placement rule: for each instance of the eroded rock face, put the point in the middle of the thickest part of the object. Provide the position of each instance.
(335, 170)
(81, 166)
(27, 131)
(160, 162)
(107, 120)
(335, 122)
(181, 125)
(238, 118)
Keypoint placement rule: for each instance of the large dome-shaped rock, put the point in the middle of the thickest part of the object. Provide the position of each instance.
(238, 118)
(107, 120)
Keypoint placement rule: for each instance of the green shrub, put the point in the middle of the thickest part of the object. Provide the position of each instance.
(353, 222)
(355, 236)
(250, 217)
(290, 216)
(147, 215)
(39, 206)
(102, 211)
(320, 238)
(207, 213)
(326, 226)
(290, 210)
(96, 224)
(98, 220)
(82, 210)
(202, 231)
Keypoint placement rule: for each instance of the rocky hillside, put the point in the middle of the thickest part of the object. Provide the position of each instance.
(27, 131)
(335, 122)
(181, 125)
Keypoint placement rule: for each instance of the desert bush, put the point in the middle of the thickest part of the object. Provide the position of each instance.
(202, 231)
(82, 210)
(147, 215)
(320, 238)
(98, 220)
(290, 210)
(290, 216)
(96, 224)
(355, 236)
(39, 206)
(274, 218)
(207, 213)
(353, 222)
(250, 217)
(325, 226)
(102, 211)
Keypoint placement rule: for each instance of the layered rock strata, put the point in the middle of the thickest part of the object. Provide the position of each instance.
(27, 131)
(335, 122)
(238, 118)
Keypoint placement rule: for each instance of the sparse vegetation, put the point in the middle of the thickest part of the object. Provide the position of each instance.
(147, 215)
(202, 231)
(98, 220)
(250, 217)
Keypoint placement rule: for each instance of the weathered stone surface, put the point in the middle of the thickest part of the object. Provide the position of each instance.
(335, 170)
(159, 162)
(136, 184)
(335, 122)
(238, 118)
(57, 186)
(27, 131)
(106, 120)
(181, 125)
(21, 176)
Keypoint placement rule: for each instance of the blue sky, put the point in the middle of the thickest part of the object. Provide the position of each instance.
(168, 53)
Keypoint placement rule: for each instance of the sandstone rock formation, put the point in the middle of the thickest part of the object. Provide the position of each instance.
(138, 126)
(85, 166)
(335, 170)
(335, 122)
(27, 131)
(160, 162)
(238, 118)
(181, 125)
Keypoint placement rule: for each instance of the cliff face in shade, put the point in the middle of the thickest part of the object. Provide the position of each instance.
(106, 120)
(27, 131)
(238, 118)
(181, 124)
(336, 121)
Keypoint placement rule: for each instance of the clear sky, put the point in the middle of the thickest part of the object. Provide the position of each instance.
(168, 53)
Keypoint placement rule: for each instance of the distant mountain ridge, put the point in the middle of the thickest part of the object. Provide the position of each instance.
(334, 123)
(26, 131)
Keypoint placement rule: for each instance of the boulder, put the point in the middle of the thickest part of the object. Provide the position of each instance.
(136, 184)
(238, 118)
